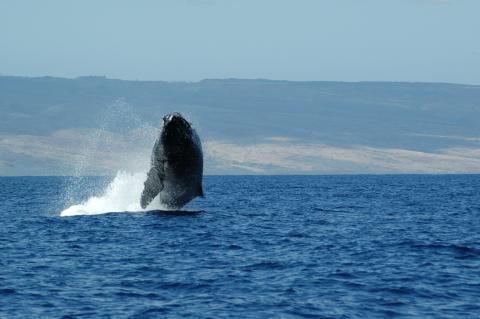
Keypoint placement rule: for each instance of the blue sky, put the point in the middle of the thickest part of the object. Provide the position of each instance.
(189, 40)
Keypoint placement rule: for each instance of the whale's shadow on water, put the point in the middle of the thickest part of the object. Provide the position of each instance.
(174, 213)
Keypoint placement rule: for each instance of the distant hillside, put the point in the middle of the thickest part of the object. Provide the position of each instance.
(423, 117)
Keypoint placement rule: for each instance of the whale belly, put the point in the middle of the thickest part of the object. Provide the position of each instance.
(175, 195)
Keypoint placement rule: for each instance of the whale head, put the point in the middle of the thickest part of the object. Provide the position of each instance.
(175, 120)
(175, 125)
(176, 132)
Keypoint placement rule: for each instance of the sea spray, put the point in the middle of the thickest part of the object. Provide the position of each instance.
(122, 143)
(119, 141)
(121, 195)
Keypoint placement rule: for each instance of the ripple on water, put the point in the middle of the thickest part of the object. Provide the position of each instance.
(264, 246)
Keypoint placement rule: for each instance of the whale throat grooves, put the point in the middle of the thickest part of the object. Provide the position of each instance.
(176, 169)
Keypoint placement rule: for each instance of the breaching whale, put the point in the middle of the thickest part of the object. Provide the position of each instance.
(176, 168)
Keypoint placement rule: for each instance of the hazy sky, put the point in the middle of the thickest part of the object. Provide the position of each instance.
(189, 40)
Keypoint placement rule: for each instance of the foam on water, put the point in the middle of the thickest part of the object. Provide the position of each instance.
(121, 195)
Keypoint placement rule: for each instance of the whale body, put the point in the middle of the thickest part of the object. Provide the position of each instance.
(176, 168)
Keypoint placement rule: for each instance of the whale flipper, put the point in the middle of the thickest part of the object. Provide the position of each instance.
(152, 186)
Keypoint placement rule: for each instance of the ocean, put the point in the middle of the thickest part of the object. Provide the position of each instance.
(362, 246)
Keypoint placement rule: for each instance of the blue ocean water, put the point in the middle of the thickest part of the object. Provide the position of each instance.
(255, 247)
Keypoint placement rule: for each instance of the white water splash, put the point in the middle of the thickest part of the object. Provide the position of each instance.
(129, 151)
(121, 195)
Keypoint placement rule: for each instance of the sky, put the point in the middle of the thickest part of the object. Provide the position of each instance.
(190, 40)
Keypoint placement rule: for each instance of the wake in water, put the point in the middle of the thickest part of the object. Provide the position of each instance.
(121, 195)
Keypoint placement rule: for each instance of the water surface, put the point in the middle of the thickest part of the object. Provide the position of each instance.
(255, 247)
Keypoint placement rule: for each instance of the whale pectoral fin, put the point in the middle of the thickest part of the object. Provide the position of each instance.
(152, 186)
(200, 190)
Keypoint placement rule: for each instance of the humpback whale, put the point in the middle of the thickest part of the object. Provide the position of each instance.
(176, 167)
